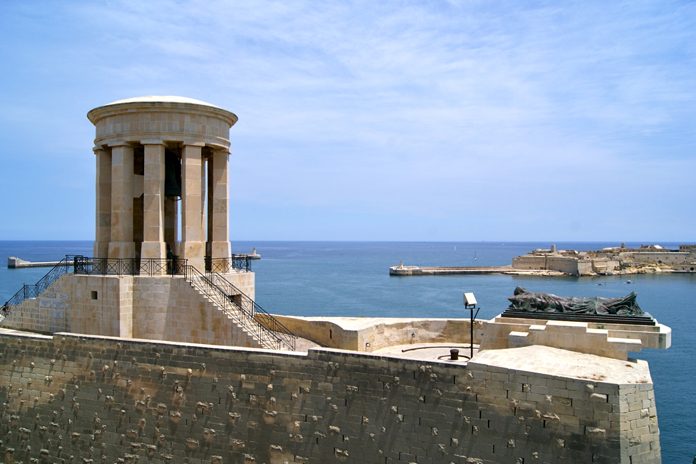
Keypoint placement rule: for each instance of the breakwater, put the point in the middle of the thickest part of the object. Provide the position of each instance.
(17, 263)
(402, 270)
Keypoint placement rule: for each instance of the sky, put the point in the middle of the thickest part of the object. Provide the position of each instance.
(460, 120)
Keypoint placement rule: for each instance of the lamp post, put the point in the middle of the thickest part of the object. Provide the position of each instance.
(471, 304)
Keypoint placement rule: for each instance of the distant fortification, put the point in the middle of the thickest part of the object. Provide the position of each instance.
(610, 261)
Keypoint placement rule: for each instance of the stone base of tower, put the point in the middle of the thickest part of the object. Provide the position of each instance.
(220, 249)
(193, 253)
(124, 250)
(162, 308)
(101, 249)
(157, 250)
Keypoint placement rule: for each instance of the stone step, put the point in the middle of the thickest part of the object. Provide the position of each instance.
(245, 326)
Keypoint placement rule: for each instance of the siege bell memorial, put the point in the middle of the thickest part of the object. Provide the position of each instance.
(150, 153)
(155, 350)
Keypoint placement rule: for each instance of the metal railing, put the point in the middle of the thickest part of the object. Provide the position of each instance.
(252, 307)
(156, 266)
(225, 265)
(95, 266)
(242, 309)
(129, 266)
(32, 291)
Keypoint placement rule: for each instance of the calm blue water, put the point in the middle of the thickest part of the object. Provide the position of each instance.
(351, 279)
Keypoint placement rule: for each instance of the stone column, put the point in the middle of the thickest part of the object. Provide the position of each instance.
(218, 234)
(153, 201)
(121, 244)
(192, 244)
(102, 235)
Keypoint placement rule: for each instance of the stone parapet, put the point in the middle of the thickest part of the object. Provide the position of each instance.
(603, 339)
(373, 333)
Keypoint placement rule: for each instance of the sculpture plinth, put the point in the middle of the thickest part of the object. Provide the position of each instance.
(533, 305)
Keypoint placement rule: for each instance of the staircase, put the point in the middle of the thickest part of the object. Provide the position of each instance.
(241, 309)
(32, 291)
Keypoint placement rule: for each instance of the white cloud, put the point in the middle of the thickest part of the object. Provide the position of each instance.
(345, 103)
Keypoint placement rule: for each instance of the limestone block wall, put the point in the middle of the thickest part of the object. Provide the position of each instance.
(75, 398)
(656, 257)
(418, 331)
(170, 309)
(575, 336)
(323, 331)
(638, 423)
(165, 308)
(603, 265)
(47, 313)
(605, 339)
(563, 264)
(101, 305)
(568, 265)
(244, 281)
(681, 261)
(369, 334)
(529, 262)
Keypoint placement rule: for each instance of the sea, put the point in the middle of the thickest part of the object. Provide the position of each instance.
(352, 279)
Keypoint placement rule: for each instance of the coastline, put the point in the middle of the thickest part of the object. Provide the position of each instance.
(552, 262)
(401, 270)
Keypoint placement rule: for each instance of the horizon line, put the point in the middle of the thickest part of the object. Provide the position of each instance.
(654, 242)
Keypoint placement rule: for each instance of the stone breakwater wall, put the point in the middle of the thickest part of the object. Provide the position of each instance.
(71, 398)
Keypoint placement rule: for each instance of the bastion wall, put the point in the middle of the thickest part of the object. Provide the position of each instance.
(568, 265)
(529, 262)
(670, 258)
(606, 262)
(74, 398)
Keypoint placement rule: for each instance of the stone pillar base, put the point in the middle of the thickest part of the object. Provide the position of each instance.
(193, 253)
(101, 249)
(158, 251)
(122, 250)
(220, 249)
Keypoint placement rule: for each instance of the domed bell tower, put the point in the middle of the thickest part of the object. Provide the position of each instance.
(162, 181)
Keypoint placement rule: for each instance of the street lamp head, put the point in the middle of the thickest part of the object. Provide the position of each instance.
(469, 300)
